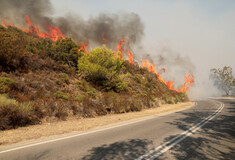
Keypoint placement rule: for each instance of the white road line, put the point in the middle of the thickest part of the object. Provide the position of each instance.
(164, 147)
(89, 132)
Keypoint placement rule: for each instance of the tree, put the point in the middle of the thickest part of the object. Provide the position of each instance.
(223, 78)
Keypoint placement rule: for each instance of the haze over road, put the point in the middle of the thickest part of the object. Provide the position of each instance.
(204, 131)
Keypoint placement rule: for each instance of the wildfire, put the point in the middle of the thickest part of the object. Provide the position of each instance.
(83, 47)
(188, 82)
(7, 24)
(170, 84)
(130, 56)
(151, 68)
(104, 39)
(119, 47)
(54, 32)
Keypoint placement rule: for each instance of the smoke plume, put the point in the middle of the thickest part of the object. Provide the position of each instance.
(112, 26)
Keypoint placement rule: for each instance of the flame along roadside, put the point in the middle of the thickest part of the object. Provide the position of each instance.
(55, 33)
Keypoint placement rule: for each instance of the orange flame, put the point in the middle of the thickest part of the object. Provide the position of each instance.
(170, 84)
(130, 56)
(143, 63)
(7, 24)
(151, 68)
(119, 47)
(104, 39)
(189, 80)
(83, 47)
(54, 32)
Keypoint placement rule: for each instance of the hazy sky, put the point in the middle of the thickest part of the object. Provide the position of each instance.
(202, 30)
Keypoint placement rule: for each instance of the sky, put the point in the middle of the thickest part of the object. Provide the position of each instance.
(200, 31)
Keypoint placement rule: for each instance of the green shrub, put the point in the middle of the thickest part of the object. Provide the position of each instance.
(79, 98)
(101, 67)
(137, 107)
(117, 85)
(5, 84)
(170, 102)
(64, 78)
(177, 99)
(12, 49)
(183, 97)
(152, 98)
(137, 79)
(5, 101)
(168, 99)
(92, 93)
(61, 95)
(14, 114)
(165, 97)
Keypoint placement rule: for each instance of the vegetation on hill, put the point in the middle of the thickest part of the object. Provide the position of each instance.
(41, 80)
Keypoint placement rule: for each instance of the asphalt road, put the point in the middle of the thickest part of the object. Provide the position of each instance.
(204, 131)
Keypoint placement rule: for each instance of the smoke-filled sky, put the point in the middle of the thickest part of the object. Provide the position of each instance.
(201, 32)
(183, 36)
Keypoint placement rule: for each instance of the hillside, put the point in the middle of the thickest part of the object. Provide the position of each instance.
(44, 80)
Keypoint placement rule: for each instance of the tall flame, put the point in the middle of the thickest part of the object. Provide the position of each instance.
(7, 24)
(104, 39)
(143, 64)
(130, 56)
(54, 32)
(83, 47)
(170, 84)
(151, 68)
(189, 80)
(119, 47)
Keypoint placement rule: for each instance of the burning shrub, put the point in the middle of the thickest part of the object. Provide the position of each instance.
(101, 67)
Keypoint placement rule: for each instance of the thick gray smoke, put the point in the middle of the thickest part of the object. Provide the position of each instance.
(14, 11)
(113, 26)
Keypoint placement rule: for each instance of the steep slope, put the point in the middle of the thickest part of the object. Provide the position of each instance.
(43, 80)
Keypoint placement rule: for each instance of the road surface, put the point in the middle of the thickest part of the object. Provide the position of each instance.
(204, 131)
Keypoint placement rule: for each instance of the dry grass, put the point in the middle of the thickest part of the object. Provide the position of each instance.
(61, 127)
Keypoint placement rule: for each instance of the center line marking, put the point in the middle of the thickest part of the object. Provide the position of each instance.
(154, 153)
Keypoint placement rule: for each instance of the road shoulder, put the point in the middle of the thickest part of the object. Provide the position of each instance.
(36, 132)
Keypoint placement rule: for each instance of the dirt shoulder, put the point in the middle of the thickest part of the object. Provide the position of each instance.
(61, 127)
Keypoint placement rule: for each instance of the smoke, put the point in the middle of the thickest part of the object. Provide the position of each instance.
(175, 64)
(113, 26)
(14, 11)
